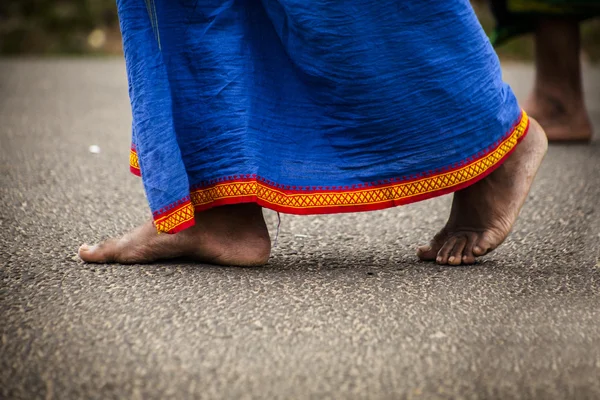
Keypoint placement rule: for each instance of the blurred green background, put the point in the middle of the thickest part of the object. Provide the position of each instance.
(90, 27)
(59, 27)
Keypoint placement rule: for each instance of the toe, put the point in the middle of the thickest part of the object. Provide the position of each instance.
(427, 253)
(467, 256)
(102, 253)
(457, 251)
(478, 250)
(483, 245)
(444, 253)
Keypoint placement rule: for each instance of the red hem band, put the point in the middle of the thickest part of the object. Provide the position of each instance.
(134, 163)
(376, 196)
(176, 219)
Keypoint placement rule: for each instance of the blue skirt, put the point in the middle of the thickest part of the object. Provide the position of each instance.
(311, 106)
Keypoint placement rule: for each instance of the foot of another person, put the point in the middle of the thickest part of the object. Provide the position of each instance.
(483, 214)
(229, 235)
(563, 120)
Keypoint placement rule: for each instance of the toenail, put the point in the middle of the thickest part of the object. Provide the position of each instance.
(451, 259)
(478, 249)
(439, 259)
(84, 247)
(425, 248)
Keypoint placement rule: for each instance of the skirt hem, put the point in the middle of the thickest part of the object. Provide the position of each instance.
(326, 200)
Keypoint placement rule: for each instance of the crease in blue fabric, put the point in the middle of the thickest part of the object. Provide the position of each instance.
(308, 93)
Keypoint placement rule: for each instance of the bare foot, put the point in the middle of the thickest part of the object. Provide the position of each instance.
(228, 235)
(483, 214)
(563, 120)
(557, 99)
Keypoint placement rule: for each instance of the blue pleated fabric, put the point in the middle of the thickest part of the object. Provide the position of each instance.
(300, 97)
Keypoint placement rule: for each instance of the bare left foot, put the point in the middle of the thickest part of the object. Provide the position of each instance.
(227, 235)
(483, 214)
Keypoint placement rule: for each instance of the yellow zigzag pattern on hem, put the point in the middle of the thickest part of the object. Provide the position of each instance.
(362, 196)
(133, 160)
(276, 197)
(171, 221)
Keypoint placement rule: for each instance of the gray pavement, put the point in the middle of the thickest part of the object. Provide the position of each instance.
(342, 310)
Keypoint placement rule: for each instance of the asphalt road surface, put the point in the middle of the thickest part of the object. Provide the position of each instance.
(342, 310)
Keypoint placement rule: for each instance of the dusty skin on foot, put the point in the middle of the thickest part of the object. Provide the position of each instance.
(230, 235)
(483, 214)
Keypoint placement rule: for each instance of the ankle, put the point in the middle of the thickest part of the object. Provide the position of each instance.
(236, 235)
(555, 101)
(242, 250)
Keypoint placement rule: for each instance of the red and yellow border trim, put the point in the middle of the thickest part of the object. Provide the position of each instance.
(176, 219)
(134, 162)
(330, 200)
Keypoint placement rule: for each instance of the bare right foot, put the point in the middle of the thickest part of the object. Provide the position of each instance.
(563, 120)
(483, 214)
(557, 100)
(227, 235)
